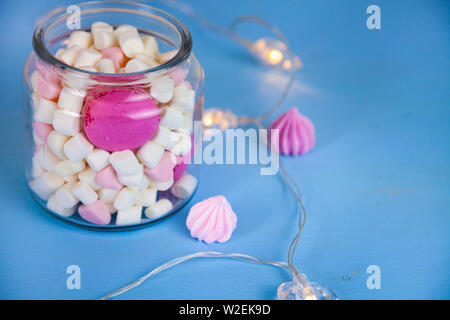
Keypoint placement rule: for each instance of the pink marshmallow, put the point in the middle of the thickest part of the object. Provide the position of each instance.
(42, 130)
(114, 54)
(48, 89)
(164, 170)
(178, 171)
(97, 213)
(107, 178)
(178, 75)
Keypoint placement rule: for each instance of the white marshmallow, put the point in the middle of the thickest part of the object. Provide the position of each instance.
(108, 195)
(99, 25)
(166, 138)
(66, 122)
(183, 98)
(188, 123)
(37, 141)
(106, 66)
(71, 99)
(162, 90)
(158, 209)
(124, 27)
(126, 198)
(130, 43)
(135, 65)
(47, 158)
(36, 168)
(45, 185)
(150, 154)
(134, 180)
(80, 38)
(59, 53)
(147, 60)
(34, 80)
(104, 39)
(171, 118)
(129, 216)
(78, 147)
(124, 162)
(151, 48)
(54, 206)
(64, 196)
(166, 56)
(71, 179)
(35, 98)
(184, 187)
(70, 55)
(84, 193)
(87, 57)
(147, 197)
(144, 183)
(88, 68)
(67, 168)
(89, 176)
(98, 159)
(161, 185)
(55, 142)
(45, 111)
(183, 146)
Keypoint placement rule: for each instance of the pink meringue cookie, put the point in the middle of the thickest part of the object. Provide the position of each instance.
(97, 213)
(296, 133)
(212, 220)
(120, 118)
(164, 170)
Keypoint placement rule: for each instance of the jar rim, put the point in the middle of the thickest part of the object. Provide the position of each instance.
(40, 48)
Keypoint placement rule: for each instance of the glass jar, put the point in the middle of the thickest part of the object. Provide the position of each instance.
(111, 150)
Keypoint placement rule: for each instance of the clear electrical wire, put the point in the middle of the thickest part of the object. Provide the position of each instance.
(272, 52)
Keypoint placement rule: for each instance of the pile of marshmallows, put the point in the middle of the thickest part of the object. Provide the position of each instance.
(68, 168)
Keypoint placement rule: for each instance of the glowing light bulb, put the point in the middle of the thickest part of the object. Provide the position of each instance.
(272, 52)
(274, 56)
(207, 120)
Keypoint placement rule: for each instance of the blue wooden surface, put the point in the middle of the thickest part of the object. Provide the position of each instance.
(376, 187)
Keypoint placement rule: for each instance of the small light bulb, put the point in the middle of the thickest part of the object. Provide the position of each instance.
(273, 52)
(207, 120)
(274, 56)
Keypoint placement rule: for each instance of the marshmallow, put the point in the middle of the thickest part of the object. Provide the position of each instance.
(96, 212)
(78, 147)
(111, 207)
(106, 66)
(166, 138)
(130, 43)
(67, 167)
(158, 209)
(34, 80)
(147, 197)
(124, 162)
(166, 56)
(183, 98)
(115, 55)
(64, 196)
(47, 158)
(42, 130)
(129, 216)
(59, 53)
(188, 123)
(145, 183)
(171, 118)
(80, 38)
(71, 179)
(54, 206)
(98, 159)
(45, 185)
(101, 26)
(162, 90)
(45, 111)
(107, 177)
(151, 48)
(89, 176)
(70, 55)
(161, 185)
(124, 27)
(147, 60)
(87, 57)
(55, 142)
(134, 180)
(135, 65)
(84, 193)
(35, 99)
(66, 122)
(184, 187)
(108, 195)
(184, 145)
(150, 154)
(125, 199)
(71, 99)
(48, 88)
(104, 39)
(36, 168)
(164, 170)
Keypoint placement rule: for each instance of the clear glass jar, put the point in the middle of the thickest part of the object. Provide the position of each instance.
(111, 140)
